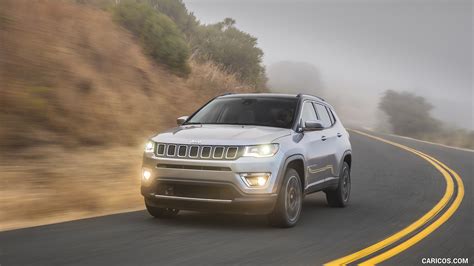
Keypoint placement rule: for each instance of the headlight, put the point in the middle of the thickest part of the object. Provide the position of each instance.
(266, 150)
(150, 146)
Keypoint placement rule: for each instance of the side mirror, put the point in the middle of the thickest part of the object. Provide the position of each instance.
(181, 120)
(312, 125)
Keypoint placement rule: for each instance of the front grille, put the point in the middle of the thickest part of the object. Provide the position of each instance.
(204, 152)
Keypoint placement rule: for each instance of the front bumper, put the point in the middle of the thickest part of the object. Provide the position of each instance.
(205, 196)
(245, 205)
(210, 185)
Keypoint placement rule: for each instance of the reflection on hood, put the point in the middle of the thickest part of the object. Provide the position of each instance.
(221, 135)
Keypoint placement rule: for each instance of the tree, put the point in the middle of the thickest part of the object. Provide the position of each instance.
(232, 48)
(170, 33)
(159, 35)
(177, 11)
(408, 114)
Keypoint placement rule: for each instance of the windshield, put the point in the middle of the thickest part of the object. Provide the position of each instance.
(271, 112)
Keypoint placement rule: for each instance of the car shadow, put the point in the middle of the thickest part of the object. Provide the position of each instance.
(224, 221)
(312, 207)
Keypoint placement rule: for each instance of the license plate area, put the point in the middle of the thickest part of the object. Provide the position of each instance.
(205, 191)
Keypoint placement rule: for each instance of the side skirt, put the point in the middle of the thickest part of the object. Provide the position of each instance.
(328, 183)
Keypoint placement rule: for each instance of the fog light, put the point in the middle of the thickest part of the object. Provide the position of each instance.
(146, 175)
(261, 180)
(255, 179)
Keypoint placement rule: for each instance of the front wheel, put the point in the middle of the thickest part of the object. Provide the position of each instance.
(289, 203)
(340, 196)
(161, 212)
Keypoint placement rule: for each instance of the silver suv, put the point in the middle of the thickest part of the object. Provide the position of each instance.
(251, 154)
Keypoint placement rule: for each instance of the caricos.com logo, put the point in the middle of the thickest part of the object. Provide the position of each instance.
(445, 260)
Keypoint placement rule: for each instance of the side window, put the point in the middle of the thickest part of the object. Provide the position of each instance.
(323, 115)
(331, 115)
(308, 113)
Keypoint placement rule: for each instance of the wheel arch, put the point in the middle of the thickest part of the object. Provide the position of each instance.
(346, 157)
(298, 163)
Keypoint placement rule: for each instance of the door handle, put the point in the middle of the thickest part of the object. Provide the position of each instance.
(323, 138)
(339, 135)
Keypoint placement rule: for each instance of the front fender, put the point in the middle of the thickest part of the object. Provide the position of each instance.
(283, 168)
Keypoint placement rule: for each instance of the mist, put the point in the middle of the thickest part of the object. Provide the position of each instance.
(359, 49)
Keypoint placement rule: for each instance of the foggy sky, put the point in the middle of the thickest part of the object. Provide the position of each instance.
(362, 48)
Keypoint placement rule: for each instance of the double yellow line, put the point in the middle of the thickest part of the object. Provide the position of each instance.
(448, 175)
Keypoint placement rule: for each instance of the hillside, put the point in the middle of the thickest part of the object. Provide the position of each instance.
(78, 98)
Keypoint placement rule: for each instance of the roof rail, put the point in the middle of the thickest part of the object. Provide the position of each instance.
(320, 98)
(302, 94)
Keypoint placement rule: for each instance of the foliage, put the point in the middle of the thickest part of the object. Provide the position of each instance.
(177, 11)
(78, 99)
(408, 114)
(232, 48)
(222, 43)
(159, 35)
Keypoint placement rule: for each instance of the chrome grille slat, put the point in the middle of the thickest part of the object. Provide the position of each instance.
(215, 150)
(185, 151)
(197, 152)
(203, 149)
(171, 150)
(160, 149)
(235, 154)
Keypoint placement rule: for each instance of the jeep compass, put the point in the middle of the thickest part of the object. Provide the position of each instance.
(250, 154)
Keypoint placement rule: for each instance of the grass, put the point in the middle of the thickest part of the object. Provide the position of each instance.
(78, 99)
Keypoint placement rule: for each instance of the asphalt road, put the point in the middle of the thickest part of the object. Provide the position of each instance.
(391, 188)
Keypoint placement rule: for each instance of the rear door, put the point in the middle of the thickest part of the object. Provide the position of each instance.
(330, 138)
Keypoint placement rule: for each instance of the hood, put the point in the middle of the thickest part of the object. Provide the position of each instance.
(221, 135)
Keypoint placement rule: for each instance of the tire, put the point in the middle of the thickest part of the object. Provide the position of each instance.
(161, 212)
(289, 202)
(340, 196)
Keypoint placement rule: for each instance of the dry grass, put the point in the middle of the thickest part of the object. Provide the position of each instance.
(49, 183)
(452, 137)
(77, 100)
